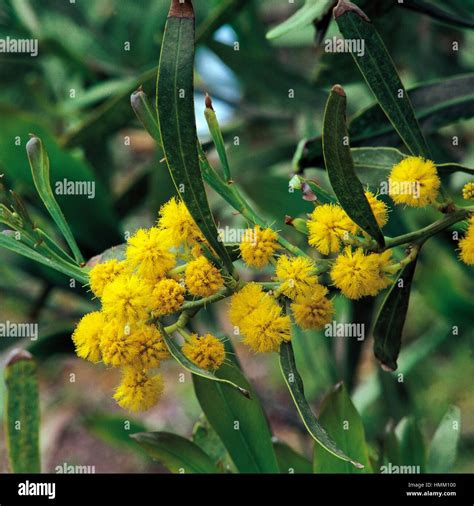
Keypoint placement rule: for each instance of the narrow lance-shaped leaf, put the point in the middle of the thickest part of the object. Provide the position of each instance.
(290, 461)
(436, 13)
(340, 166)
(239, 422)
(388, 327)
(411, 444)
(143, 108)
(444, 445)
(344, 425)
(176, 453)
(177, 122)
(39, 163)
(22, 413)
(295, 385)
(380, 73)
(191, 367)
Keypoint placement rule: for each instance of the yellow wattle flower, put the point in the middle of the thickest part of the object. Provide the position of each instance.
(202, 278)
(120, 344)
(383, 267)
(148, 253)
(87, 335)
(152, 349)
(468, 191)
(296, 275)
(245, 301)
(327, 226)
(466, 244)
(127, 299)
(138, 391)
(379, 209)
(313, 310)
(207, 351)
(358, 275)
(167, 297)
(103, 274)
(178, 223)
(414, 182)
(258, 246)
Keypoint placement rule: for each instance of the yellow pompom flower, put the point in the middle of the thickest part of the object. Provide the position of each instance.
(296, 275)
(258, 246)
(103, 274)
(245, 301)
(414, 182)
(327, 226)
(207, 351)
(266, 328)
(468, 191)
(312, 310)
(138, 391)
(167, 297)
(120, 344)
(86, 336)
(148, 253)
(379, 209)
(202, 278)
(127, 298)
(178, 223)
(151, 347)
(382, 265)
(466, 244)
(358, 275)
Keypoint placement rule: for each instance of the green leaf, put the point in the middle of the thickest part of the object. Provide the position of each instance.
(191, 367)
(290, 461)
(312, 11)
(39, 163)
(443, 448)
(176, 453)
(295, 386)
(411, 445)
(22, 413)
(142, 107)
(340, 166)
(391, 318)
(115, 430)
(390, 449)
(344, 426)
(175, 105)
(75, 272)
(381, 75)
(436, 13)
(249, 445)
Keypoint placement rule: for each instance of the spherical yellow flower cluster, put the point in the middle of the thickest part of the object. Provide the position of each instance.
(468, 191)
(258, 246)
(466, 244)
(137, 290)
(414, 182)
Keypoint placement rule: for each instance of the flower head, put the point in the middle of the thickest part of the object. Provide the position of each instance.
(466, 244)
(151, 347)
(127, 298)
(103, 274)
(266, 328)
(312, 310)
(327, 226)
(414, 182)
(138, 391)
(207, 351)
(86, 336)
(358, 275)
(203, 278)
(148, 253)
(178, 223)
(167, 297)
(258, 246)
(119, 344)
(382, 265)
(245, 301)
(296, 275)
(379, 210)
(468, 191)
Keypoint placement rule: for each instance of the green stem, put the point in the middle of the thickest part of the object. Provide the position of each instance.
(430, 230)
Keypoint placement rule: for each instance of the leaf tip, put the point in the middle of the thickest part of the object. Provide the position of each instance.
(18, 354)
(208, 102)
(344, 6)
(181, 9)
(357, 465)
(388, 367)
(337, 88)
